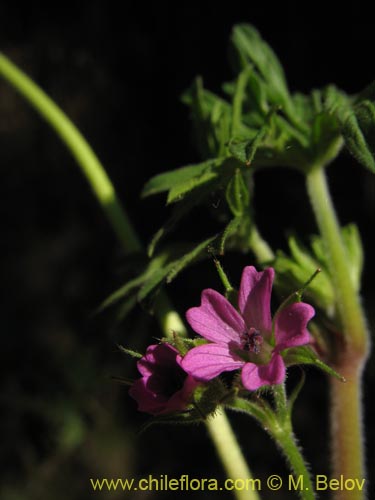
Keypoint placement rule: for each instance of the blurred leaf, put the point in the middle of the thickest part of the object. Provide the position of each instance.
(357, 125)
(292, 272)
(129, 286)
(192, 199)
(183, 179)
(170, 270)
(213, 121)
(358, 131)
(184, 261)
(238, 98)
(245, 151)
(254, 50)
(177, 192)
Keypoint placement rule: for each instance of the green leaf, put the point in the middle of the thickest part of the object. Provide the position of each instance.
(237, 194)
(124, 309)
(356, 130)
(134, 284)
(357, 124)
(154, 281)
(168, 272)
(178, 265)
(212, 119)
(352, 241)
(292, 272)
(190, 175)
(305, 356)
(180, 210)
(254, 51)
(238, 98)
(244, 151)
(178, 191)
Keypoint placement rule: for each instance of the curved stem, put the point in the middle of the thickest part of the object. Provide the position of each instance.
(351, 355)
(79, 148)
(93, 171)
(105, 193)
(260, 247)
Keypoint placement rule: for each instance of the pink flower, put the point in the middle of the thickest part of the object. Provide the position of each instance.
(244, 340)
(164, 387)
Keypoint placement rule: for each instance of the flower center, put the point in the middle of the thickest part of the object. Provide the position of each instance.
(252, 341)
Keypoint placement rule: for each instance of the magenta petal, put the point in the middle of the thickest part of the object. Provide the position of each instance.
(148, 401)
(254, 376)
(254, 298)
(157, 355)
(290, 325)
(216, 319)
(206, 362)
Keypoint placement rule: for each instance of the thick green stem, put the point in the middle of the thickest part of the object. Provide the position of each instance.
(106, 195)
(230, 453)
(348, 303)
(352, 352)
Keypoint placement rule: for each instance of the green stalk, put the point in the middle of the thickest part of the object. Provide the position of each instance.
(282, 432)
(106, 195)
(79, 148)
(231, 455)
(259, 246)
(352, 353)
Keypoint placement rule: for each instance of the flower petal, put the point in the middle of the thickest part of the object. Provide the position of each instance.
(206, 362)
(254, 298)
(147, 401)
(216, 319)
(290, 325)
(255, 376)
(157, 357)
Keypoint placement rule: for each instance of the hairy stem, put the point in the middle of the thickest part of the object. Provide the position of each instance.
(301, 482)
(282, 432)
(105, 193)
(352, 352)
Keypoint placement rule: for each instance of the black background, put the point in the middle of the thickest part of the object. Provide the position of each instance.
(118, 71)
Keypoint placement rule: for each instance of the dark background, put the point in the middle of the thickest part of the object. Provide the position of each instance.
(119, 73)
